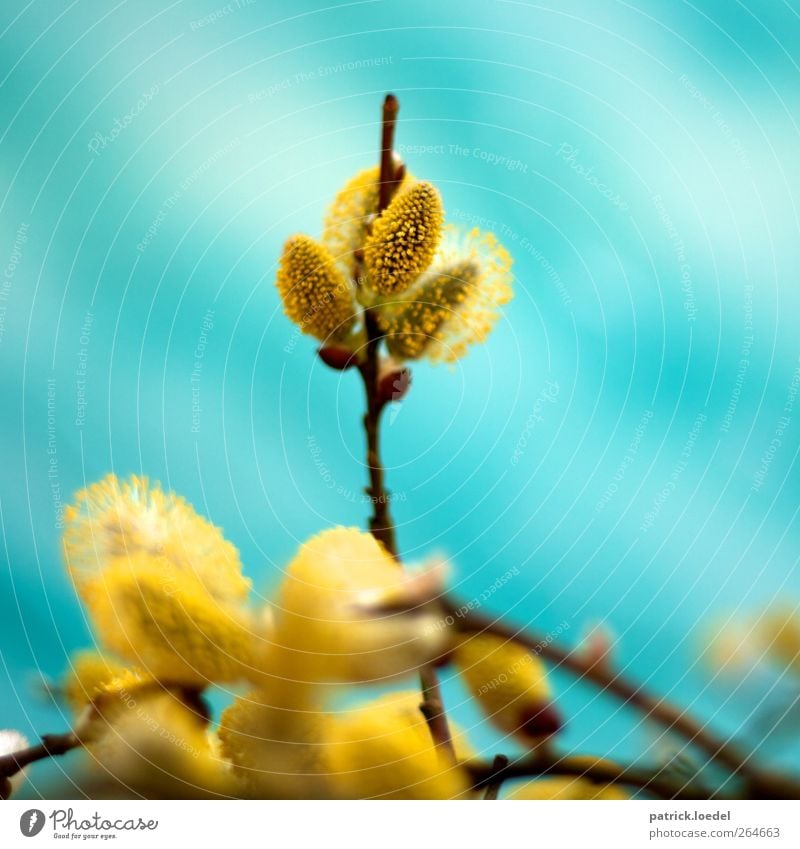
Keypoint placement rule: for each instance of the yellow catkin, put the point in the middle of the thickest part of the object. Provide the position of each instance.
(322, 619)
(510, 685)
(404, 239)
(734, 647)
(565, 787)
(315, 294)
(113, 518)
(384, 750)
(275, 740)
(159, 748)
(455, 303)
(348, 217)
(778, 633)
(89, 672)
(421, 318)
(167, 622)
(728, 648)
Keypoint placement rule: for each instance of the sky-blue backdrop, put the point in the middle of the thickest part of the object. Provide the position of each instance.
(620, 438)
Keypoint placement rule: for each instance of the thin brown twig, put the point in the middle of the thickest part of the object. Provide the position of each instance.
(388, 181)
(495, 780)
(600, 772)
(380, 524)
(51, 746)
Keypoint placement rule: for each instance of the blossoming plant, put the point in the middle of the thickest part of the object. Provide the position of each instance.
(174, 617)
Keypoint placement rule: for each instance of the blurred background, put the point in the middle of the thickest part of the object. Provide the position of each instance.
(627, 440)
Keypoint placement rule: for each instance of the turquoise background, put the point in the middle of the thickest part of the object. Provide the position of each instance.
(638, 159)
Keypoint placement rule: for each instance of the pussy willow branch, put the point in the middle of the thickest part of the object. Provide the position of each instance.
(55, 745)
(759, 783)
(380, 523)
(601, 772)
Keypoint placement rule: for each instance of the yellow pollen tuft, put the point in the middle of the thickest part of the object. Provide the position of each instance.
(315, 294)
(157, 747)
(276, 747)
(324, 620)
(404, 238)
(413, 324)
(348, 217)
(113, 518)
(384, 750)
(90, 672)
(454, 304)
(166, 622)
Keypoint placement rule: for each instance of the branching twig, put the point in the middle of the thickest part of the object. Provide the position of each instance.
(759, 783)
(600, 772)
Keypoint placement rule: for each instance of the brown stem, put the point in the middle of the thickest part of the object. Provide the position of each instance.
(760, 784)
(380, 524)
(388, 182)
(599, 772)
(495, 780)
(52, 746)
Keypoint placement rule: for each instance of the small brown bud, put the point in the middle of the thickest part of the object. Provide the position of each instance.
(540, 722)
(337, 357)
(393, 384)
(596, 649)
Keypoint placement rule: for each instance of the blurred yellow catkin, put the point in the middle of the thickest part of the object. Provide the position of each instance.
(510, 685)
(324, 622)
(384, 750)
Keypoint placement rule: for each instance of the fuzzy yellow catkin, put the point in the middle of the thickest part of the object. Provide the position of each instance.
(454, 304)
(510, 685)
(778, 632)
(323, 624)
(348, 217)
(275, 740)
(167, 622)
(89, 672)
(384, 750)
(404, 239)
(315, 294)
(114, 518)
(157, 748)
(412, 324)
